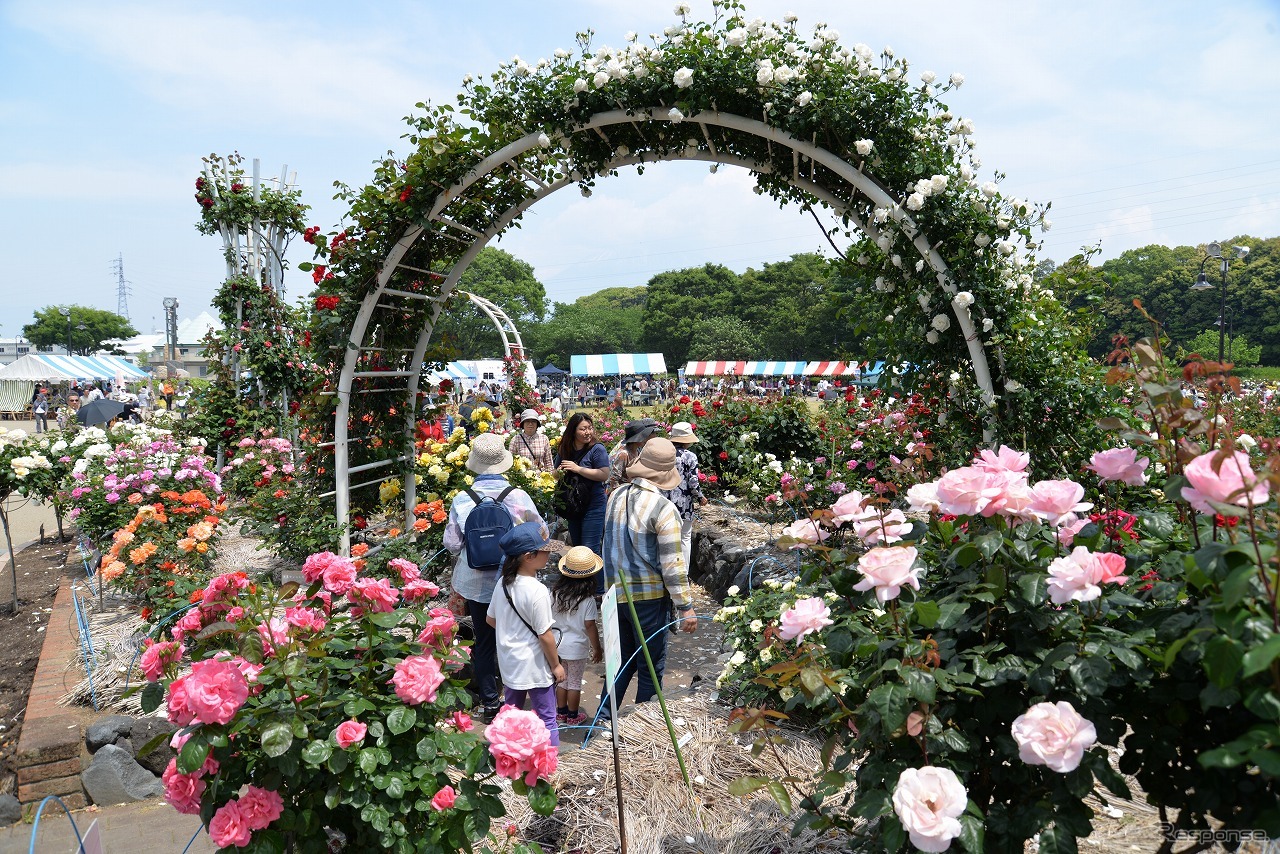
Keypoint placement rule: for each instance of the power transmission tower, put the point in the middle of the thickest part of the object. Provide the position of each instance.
(122, 287)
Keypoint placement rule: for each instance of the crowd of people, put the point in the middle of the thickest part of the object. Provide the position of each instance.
(139, 399)
(629, 523)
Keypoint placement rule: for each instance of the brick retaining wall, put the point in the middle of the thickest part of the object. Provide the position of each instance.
(51, 752)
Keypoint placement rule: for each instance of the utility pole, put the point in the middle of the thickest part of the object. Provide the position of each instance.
(170, 331)
(122, 287)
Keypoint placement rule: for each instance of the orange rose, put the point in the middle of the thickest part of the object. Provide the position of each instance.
(421, 525)
(394, 532)
(135, 498)
(360, 550)
(113, 570)
(202, 547)
(186, 544)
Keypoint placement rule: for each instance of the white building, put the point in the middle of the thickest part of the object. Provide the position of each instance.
(149, 347)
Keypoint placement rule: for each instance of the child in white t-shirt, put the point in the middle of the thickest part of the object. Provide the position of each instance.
(520, 614)
(573, 605)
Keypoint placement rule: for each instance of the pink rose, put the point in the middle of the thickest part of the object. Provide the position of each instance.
(1078, 576)
(417, 679)
(807, 615)
(875, 527)
(439, 630)
(418, 590)
(1053, 500)
(848, 507)
(314, 566)
(929, 802)
(157, 657)
(1120, 464)
(923, 498)
(376, 594)
(408, 569)
(805, 532)
(519, 742)
(182, 791)
(1069, 526)
(1006, 459)
(1233, 483)
(339, 576)
(274, 633)
(888, 570)
(260, 807)
(461, 721)
(968, 491)
(444, 799)
(176, 703)
(228, 828)
(1054, 735)
(349, 733)
(307, 619)
(215, 691)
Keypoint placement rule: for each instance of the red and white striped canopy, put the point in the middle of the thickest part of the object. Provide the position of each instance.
(831, 369)
(714, 369)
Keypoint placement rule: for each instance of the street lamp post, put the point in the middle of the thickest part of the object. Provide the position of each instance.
(1214, 250)
(82, 327)
(66, 312)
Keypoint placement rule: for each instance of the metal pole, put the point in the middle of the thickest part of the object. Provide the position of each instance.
(1222, 315)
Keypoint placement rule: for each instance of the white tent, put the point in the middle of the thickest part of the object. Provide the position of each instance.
(18, 380)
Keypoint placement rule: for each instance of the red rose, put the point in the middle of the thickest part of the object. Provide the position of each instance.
(724, 455)
(326, 302)
(237, 187)
(231, 422)
(359, 523)
(405, 193)
(318, 273)
(306, 338)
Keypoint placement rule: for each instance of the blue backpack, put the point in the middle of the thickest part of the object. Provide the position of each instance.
(486, 523)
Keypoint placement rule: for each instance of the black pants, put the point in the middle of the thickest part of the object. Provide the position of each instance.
(484, 655)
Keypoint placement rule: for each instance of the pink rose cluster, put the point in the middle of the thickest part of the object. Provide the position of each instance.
(929, 802)
(212, 693)
(233, 824)
(806, 533)
(1079, 576)
(806, 616)
(336, 572)
(417, 678)
(870, 524)
(1053, 735)
(159, 657)
(439, 629)
(521, 746)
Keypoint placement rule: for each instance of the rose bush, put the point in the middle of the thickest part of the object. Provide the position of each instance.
(335, 712)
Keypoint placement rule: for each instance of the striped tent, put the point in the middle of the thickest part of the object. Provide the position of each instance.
(774, 369)
(830, 369)
(617, 364)
(715, 369)
(49, 367)
(452, 371)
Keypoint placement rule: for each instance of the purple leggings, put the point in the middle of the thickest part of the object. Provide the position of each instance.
(543, 701)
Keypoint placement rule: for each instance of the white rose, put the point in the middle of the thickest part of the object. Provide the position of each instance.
(863, 147)
(929, 802)
(963, 299)
(764, 75)
(954, 377)
(989, 189)
(783, 74)
(739, 658)
(682, 9)
(733, 591)
(736, 37)
(957, 80)
(928, 77)
(938, 183)
(579, 85)
(683, 78)
(601, 78)
(804, 98)
(1012, 386)
(756, 626)
(931, 337)
(1247, 442)
(915, 202)
(790, 18)
(988, 324)
(981, 241)
(675, 115)
(544, 140)
(1046, 224)
(941, 322)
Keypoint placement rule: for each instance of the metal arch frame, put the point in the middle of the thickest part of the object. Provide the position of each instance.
(510, 153)
(502, 321)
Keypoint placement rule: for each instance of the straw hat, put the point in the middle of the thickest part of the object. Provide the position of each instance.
(682, 433)
(580, 562)
(657, 464)
(529, 415)
(489, 455)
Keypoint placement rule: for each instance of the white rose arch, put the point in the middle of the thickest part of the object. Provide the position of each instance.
(541, 136)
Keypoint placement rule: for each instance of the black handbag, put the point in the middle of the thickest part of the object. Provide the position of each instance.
(572, 497)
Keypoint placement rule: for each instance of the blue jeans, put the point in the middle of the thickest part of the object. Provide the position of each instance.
(484, 655)
(654, 615)
(589, 531)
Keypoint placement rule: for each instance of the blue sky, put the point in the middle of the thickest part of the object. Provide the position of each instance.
(1143, 122)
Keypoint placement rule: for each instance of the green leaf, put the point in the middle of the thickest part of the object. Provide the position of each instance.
(385, 619)
(368, 760)
(927, 613)
(890, 701)
(967, 555)
(193, 754)
(1223, 660)
(276, 738)
(395, 787)
(780, 796)
(542, 798)
(1056, 840)
(152, 697)
(1259, 658)
(317, 752)
(743, 786)
(973, 833)
(1090, 674)
(402, 719)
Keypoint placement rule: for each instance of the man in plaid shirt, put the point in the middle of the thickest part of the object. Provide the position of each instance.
(642, 544)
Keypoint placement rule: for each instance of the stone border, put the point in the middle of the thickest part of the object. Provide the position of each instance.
(50, 748)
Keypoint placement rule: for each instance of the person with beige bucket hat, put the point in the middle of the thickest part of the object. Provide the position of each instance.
(642, 545)
(688, 494)
(527, 442)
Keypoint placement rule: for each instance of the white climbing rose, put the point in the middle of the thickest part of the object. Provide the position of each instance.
(804, 98)
(863, 147)
(941, 322)
(579, 85)
(683, 78)
(675, 115)
(989, 189)
(963, 299)
(915, 202)
(544, 140)
(736, 37)
(601, 78)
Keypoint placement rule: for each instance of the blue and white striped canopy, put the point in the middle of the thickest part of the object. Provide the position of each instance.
(617, 364)
(451, 371)
(47, 367)
(774, 369)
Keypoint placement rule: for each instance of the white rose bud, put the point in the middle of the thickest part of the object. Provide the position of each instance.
(544, 140)
(683, 78)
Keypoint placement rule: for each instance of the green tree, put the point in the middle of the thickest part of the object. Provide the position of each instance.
(678, 303)
(50, 328)
(725, 338)
(607, 321)
(789, 303)
(508, 282)
(1235, 347)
